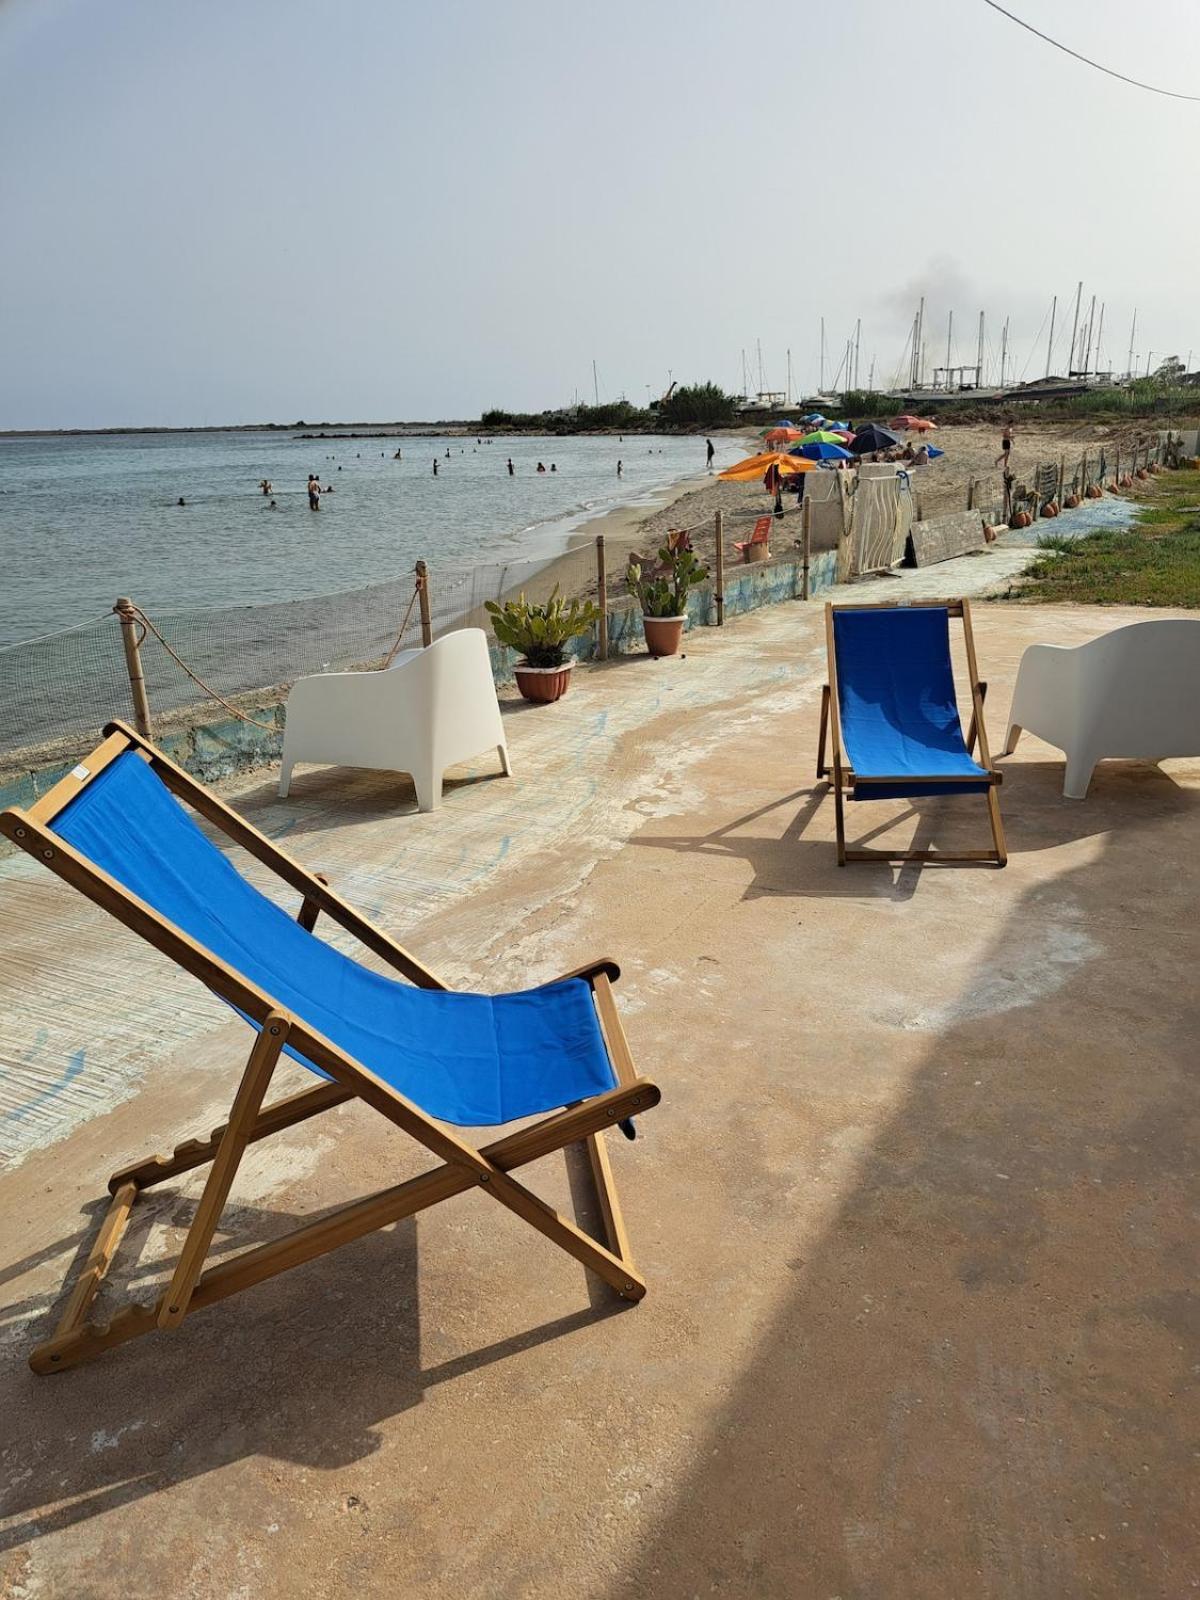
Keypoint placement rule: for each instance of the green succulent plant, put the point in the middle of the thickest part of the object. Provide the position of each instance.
(540, 633)
(662, 590)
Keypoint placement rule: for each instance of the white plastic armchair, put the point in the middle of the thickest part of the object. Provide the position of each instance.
(429, 709)
(1132, 694)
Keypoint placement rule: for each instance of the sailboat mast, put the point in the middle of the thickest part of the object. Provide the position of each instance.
(1050, 340)
(1075, 327)
(821, 384)
(761, 380)
(1087, 358)
(979, 356)
(1099, 336)
(949, 336)
(919, 345)
(857, 342)
(1003, 351)
(1132, 332)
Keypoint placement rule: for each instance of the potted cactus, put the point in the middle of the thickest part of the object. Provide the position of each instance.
(540, 635)
(662, 590)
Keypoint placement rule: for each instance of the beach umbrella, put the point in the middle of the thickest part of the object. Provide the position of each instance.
(822, 436)
(822, 452)
(755, 467)
(873, 436)
(813, 416)
(836, 427)
(913, 424)
(782, 435)
(934, 452)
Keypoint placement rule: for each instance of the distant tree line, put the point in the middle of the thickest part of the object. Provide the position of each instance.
(687, 409)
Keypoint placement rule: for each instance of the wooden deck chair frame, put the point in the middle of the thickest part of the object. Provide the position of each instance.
(842, 778)
(192, 1285)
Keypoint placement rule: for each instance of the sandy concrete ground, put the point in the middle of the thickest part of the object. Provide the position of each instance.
(917, 1210)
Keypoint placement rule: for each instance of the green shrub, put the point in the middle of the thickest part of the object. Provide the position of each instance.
(663, 591)
(540, 633)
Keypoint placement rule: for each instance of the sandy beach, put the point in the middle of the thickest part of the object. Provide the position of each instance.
(941, 487)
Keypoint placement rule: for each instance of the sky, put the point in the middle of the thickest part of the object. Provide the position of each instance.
(267, 210)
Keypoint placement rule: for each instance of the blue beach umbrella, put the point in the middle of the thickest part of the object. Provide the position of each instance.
(813, 416)
(821, 452)
(934, 452)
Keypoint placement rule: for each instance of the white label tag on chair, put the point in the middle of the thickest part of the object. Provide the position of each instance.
(81, 772)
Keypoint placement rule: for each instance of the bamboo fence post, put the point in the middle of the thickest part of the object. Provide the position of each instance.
(805, 546)
(1117, 470)
(423, 601)
(133, 664)
(1083, 483)
(602, 600)
(1062, 478)
(970, 494)
(720, 564)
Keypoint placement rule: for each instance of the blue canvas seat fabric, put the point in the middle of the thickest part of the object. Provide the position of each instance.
(896, 698)
(470, 1059)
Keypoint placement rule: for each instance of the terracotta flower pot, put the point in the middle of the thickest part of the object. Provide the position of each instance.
(1020, 519)
(1050, 509)
(1071, 501)
(663, 634)
(543, 684)
(1094, 491)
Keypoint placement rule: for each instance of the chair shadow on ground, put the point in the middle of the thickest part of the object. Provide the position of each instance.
(322, 797)
(1036, 817)
(304, 1368)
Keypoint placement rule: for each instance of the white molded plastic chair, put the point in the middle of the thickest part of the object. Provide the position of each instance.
(1132, 694)
(427, 710)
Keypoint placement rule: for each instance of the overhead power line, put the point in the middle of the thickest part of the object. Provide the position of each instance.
(1087, 61)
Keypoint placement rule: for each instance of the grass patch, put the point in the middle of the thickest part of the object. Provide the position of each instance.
(1154, 563)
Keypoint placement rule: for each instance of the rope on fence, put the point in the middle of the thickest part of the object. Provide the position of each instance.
(136, 613)
(144, 622)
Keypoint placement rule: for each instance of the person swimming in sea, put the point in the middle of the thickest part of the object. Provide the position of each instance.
(511, 468)
(435, 467)
(540, 467)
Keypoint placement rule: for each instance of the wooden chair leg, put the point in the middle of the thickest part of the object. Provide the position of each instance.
(822, 769)
(839, 809)
(236, 1137)
(993, 803)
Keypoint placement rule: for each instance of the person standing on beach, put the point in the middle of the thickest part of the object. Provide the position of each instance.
(1006, 439)
(620, 468)
(711, 453)
(435, 467)
(314, 493)
(511, 468)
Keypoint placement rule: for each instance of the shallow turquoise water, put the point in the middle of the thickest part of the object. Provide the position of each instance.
(85, 519)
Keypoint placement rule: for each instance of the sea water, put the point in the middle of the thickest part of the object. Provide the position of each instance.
(85, 518)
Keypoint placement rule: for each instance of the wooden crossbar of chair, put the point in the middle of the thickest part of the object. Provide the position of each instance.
(194, 1286)
(843, 779)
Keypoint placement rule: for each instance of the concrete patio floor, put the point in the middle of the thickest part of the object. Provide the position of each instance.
(917, 1211)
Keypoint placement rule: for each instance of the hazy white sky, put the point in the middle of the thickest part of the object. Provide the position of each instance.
(238, 210)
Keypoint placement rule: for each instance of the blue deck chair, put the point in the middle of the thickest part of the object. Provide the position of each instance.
(890, 712)
(116, 830)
